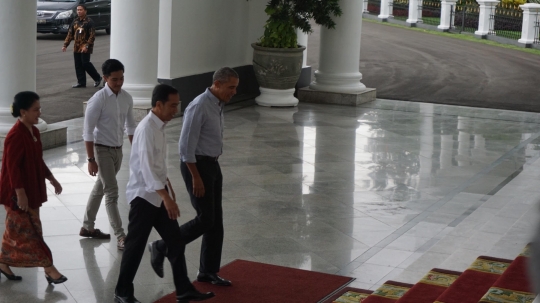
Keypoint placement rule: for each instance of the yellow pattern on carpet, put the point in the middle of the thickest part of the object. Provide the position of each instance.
(439, 279)
(351, 297)
(390, 291)
(489, 266)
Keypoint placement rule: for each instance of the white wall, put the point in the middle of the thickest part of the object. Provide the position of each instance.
(203, 35)
(257, 20)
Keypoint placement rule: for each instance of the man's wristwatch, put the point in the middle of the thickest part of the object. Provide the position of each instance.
(91, 160)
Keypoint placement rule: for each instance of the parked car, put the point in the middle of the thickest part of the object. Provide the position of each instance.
(55, 16)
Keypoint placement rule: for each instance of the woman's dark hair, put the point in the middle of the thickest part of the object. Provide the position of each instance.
(111, 66)
(23, 100)
(83, 6)
(161, 93)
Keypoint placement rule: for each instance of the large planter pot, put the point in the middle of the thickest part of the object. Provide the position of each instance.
(277, 70)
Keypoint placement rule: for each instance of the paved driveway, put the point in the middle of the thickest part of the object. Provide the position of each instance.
(410, 65)
(402, 65)
(56, 74)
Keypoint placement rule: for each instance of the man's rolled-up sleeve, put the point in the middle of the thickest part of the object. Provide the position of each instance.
(191, 130)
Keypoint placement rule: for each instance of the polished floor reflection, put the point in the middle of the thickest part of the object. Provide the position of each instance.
(385, 191)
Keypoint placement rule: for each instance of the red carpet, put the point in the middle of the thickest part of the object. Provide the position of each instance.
(430, 287)
(264, 283)
(389, 292)
(513, 285)
(349, 295)
(475, 281)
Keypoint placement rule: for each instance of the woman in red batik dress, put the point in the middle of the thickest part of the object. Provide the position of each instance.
(23, 191)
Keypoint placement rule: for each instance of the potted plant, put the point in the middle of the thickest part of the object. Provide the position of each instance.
(277, 57)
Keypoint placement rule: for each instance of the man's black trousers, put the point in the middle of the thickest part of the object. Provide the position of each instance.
(142, 217)
(83, 66)
(209, 220)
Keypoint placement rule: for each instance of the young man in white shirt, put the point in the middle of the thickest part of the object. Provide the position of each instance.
(153, 203)
(109, 113)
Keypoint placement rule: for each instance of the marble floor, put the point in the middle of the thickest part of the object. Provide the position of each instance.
(383, 191)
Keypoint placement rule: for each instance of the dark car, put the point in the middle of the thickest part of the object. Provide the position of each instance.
(56, 16)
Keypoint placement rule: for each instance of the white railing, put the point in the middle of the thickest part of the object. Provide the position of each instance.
(530, 32)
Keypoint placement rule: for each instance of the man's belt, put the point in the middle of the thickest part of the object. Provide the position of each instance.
(111, 147)
(206, 158)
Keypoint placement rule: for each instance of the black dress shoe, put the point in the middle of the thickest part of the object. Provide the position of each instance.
(193, 295)
(214, 279)
(10, 277)
(118, 299)
(78, 85)
(156, 258)
(60, 280)
(97, 83)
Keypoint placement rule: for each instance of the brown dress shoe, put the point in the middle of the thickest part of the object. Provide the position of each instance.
(96, 234)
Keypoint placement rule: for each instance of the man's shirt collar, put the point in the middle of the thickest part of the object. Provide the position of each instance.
(160, 124)
(109, 91)
(212, 97)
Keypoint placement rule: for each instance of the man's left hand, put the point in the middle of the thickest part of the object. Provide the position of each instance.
(172, 208)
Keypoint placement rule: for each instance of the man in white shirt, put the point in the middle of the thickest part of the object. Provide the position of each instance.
(200, 145)
(109, 113)
(153, 203)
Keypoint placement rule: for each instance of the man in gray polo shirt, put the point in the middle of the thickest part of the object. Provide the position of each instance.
(201, 143)
(109, 114)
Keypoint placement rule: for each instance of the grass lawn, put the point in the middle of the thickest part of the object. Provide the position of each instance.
(508, 34)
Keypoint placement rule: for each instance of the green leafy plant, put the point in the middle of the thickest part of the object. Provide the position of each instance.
(288, 15)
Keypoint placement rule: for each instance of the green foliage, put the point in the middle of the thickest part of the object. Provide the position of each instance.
(288, 15)
(514, 2)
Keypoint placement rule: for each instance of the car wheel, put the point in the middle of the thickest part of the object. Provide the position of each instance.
(108, 30)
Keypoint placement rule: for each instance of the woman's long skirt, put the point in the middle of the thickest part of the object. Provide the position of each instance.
(22, 243)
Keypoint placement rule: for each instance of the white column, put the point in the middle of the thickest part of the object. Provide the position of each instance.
(420, 7)
(135, 44)
(386, 9)
(302, 39)
(531, 15)
(487, 7)
(447, 8)
(414, 11)
(366, 6)
(339, 58)
(17, 56)
(165, 56)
